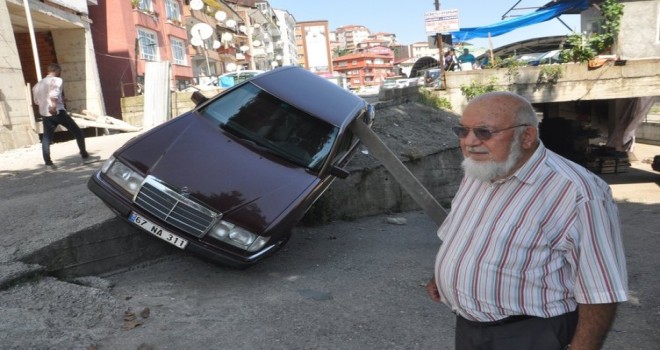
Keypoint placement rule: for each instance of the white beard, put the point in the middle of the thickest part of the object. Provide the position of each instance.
(489, 170)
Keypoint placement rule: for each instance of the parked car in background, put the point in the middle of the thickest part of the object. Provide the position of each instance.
(549, 57)
(230, 79)
(229, 179)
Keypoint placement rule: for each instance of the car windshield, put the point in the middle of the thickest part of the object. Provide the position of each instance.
(272, 125)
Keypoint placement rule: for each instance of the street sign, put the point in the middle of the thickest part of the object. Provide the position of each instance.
(443, 21)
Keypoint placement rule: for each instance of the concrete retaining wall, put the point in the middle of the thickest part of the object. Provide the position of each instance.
(649, 133)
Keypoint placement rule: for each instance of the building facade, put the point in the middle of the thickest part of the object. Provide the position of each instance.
(313, 46)
(32, 38)
(364, 69)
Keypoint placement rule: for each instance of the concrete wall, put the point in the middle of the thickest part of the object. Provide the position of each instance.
(639, 35)
(649, 133)
(577, 82)
(16, 121)
(369, 192)
(75, 53)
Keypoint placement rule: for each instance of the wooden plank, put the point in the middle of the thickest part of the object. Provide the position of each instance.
(402, 174)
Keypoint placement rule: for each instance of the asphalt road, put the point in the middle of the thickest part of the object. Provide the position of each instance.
(357, 285)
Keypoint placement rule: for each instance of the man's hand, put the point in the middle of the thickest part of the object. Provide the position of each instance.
(594, 321)
(432, 290)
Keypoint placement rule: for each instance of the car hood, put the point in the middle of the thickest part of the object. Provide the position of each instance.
(249, 188)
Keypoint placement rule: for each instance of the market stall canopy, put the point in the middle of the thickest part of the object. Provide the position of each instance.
(541, 15)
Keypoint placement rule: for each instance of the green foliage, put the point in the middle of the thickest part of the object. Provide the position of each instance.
(513, 70)
(475, 89)
(584, 47)
(427, 98)
(549, 74)
(341, 52)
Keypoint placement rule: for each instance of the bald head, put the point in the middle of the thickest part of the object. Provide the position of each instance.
(508, 106)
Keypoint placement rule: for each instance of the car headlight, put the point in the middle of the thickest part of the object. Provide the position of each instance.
(237, 236)
(122, 175)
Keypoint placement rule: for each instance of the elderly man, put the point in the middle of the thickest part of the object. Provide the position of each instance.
(532, 255)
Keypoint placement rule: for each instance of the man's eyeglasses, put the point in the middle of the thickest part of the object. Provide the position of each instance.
(481, 133)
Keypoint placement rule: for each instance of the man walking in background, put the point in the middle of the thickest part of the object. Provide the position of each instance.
(47, 94)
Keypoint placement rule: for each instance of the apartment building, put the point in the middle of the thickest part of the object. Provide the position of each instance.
(364, 69)
(127, 35)
(351, 35)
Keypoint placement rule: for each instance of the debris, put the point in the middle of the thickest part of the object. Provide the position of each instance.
(396, 221)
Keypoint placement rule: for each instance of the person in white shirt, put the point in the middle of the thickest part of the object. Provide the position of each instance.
(532, 254)
(47, 94)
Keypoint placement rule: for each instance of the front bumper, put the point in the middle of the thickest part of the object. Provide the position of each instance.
(118, 203)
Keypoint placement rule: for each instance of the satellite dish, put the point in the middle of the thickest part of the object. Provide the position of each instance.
(242, 28)
(196, 41)
(278, 57)
(256, 43)
(216, 44)
(244, 48)
(201, 30)
(196, 4)
(231, 66)
(220, 16)
(226, 37)
(257, 26)
(230, 23)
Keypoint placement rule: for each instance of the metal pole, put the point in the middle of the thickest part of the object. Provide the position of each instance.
(441, 63)
(35, 52)
(208, 67)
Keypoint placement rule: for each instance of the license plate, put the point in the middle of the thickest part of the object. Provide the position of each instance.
(157, 231)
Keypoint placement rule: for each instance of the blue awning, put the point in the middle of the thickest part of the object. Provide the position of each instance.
(541, 15)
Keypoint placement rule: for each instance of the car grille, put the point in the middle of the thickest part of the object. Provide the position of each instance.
(172, 207)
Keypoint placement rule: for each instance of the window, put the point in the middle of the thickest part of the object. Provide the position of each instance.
(144, 5)
(148, 43)
(275, 127)
(172, 10)
(178, 51)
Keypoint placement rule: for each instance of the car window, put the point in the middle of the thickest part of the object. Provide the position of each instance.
(260, 118)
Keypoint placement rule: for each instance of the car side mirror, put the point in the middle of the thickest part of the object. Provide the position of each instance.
(339, 172)
(198, 98)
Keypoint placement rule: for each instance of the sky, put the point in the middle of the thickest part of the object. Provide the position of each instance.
(406, 18)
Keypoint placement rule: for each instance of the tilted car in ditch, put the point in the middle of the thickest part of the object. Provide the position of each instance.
(229, 179)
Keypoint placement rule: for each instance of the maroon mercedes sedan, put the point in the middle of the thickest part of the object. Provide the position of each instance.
(229, 179)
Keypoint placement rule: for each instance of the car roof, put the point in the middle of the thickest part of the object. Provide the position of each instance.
(311, 93)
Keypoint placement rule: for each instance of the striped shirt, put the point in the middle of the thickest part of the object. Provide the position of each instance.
(536, 243)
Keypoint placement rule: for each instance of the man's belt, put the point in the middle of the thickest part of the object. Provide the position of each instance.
(501, 322)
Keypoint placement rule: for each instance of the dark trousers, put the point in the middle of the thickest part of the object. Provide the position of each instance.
(536, 333)
(50, 123)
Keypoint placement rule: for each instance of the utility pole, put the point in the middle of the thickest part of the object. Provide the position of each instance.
(438, 39)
